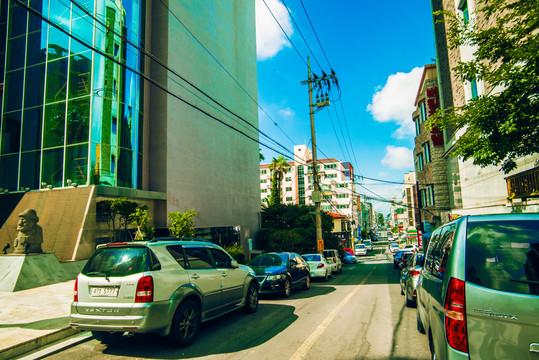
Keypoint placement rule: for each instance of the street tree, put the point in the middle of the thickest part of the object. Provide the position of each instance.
(502, 124)
(278, 166)
(182, 223)
(292, 228)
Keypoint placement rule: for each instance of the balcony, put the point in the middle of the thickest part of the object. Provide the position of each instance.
(523, 185)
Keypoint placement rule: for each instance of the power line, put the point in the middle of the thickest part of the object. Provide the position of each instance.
(301, 34)
(284, 32)
(314, 31)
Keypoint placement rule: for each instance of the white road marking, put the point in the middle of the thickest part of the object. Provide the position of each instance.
(311, 340)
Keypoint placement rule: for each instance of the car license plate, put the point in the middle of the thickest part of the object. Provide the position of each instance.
(109, 291)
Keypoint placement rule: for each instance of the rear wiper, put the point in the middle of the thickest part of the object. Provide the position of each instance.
(99, 273)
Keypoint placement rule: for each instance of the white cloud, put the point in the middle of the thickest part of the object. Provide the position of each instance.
(288, 112)
(398, 157)
(269, 36)
(394, 102)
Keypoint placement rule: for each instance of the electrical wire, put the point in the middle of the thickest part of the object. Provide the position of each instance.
(147, 78)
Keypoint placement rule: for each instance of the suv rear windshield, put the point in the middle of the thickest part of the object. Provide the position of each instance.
(504, 255)
(119, 261)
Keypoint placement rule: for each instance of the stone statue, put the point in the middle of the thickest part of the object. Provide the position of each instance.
(30, 236)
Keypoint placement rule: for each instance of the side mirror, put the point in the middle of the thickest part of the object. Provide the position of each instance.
(234, 264)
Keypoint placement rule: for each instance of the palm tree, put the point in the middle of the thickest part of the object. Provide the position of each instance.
(279, 166)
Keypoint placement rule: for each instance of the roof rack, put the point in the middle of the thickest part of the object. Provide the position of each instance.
(172, 238)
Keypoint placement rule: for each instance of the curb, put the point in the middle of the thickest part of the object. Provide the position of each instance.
(38, 342)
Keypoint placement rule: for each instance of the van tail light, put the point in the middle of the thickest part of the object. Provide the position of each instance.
(144, 293)
(414, 272)
(455, 315)
(320, 266)
(76, 290)
(335, 260)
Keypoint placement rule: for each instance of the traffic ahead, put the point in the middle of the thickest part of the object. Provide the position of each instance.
(356, 314)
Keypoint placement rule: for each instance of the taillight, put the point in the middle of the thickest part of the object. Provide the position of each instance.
(455, 315)
(144, 293)
(320, 266)
(414, 272)
(335, 260)
(76, 290)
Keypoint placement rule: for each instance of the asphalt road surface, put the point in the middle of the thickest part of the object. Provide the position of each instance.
(359, 314)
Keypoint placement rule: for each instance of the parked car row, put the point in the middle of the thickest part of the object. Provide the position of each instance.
(170, 286)
(476, 289)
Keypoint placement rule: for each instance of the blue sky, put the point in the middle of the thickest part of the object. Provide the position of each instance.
(377, 50)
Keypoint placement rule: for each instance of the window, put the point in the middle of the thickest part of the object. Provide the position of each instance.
(463, 6)
(288, 179)
(264, 190)
(423, 111)
(221, 259)
(419, 162)
(289, 199)
(430, 195)
(439, 250)
(343, 196)
(426, 151)
(263, 181)
(503, 255)
(288, 189)
(473, 85)
(423, 195)
(417, 126)
(331, 176)
(263, 171)
(177, 253)
(198, 258)
(330, 166)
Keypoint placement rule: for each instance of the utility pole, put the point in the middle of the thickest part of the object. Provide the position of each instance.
(321, 102)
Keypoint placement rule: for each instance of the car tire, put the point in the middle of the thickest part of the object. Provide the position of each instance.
(185, 324)
(420, 326)
(307, 284)
(409, 303)
(106, 337)
(287, 290)
(251, 299)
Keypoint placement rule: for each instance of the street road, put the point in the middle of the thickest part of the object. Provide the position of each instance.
(359, 314)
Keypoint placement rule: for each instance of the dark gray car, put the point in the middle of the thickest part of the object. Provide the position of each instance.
(478, 292)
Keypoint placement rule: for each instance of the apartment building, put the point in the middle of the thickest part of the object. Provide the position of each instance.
(429, 162)
(473, 189)
(336, 184)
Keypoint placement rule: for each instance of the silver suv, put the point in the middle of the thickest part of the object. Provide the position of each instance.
(167, 286)
(478, 291)
(334, 260)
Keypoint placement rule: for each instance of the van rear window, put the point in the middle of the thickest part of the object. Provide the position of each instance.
(122, 261)
(504, 255)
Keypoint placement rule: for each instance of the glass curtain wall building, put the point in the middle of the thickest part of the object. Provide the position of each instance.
(72, 96)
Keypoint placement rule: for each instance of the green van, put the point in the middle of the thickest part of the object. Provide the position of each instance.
(478, 292)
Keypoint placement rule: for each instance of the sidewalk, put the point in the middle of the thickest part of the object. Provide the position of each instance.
(35, 317)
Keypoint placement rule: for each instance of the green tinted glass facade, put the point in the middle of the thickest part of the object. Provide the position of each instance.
(71, 109)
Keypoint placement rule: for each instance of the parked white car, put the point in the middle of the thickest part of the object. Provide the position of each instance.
(360, 250)
(368, 245)
(319, 266)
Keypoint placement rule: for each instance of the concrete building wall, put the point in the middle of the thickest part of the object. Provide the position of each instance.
(198, 161)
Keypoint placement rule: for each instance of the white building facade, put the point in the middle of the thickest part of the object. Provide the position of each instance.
(336, 184)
